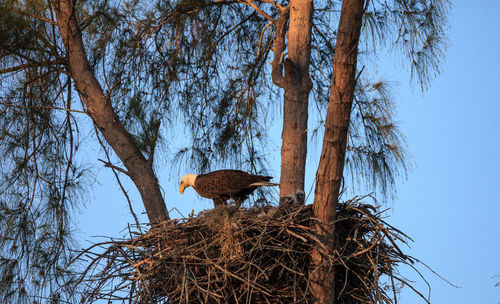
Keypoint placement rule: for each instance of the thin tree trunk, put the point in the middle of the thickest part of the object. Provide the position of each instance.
(297, 85)
(331, 165)
(100, 110)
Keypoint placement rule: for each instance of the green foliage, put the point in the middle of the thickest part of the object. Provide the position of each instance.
(40, 178)
(39, 183)
(416, 28)
(220, 96)
(377, 151)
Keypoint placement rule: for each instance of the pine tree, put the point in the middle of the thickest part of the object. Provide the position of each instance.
(137, 70)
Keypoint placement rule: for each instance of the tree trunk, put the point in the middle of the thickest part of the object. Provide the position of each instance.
(297, 85)
(100, 110)
(331, 165)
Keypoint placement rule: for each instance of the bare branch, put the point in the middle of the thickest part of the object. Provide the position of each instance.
(258, 10)
(110, 165)
(30, 65)
(125, 193)
(323, 36)
(24, 13)
(276, 4)
(42, 107)
(261, 36)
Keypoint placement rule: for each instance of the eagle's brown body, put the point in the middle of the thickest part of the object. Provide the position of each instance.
(223, 185)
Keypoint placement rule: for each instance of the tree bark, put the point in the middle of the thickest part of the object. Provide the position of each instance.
(297, 85)
(101, 111)
(331, 165)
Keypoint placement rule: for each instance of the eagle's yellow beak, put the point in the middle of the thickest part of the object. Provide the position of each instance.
(186, 181)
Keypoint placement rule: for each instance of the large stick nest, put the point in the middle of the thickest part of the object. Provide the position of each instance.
(256, 255)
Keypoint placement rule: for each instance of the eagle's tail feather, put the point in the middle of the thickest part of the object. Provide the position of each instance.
(258, 184)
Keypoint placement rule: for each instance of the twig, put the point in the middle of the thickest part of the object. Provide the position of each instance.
(110, 165)
(41, 107)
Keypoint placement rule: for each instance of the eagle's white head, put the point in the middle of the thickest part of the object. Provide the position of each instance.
(186, 181)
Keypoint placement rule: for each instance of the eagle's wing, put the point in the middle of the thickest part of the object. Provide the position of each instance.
(226, 183)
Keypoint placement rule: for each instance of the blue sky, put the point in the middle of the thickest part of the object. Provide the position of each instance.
(449, 205)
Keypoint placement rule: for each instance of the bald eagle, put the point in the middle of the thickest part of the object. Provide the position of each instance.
(223, 185)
